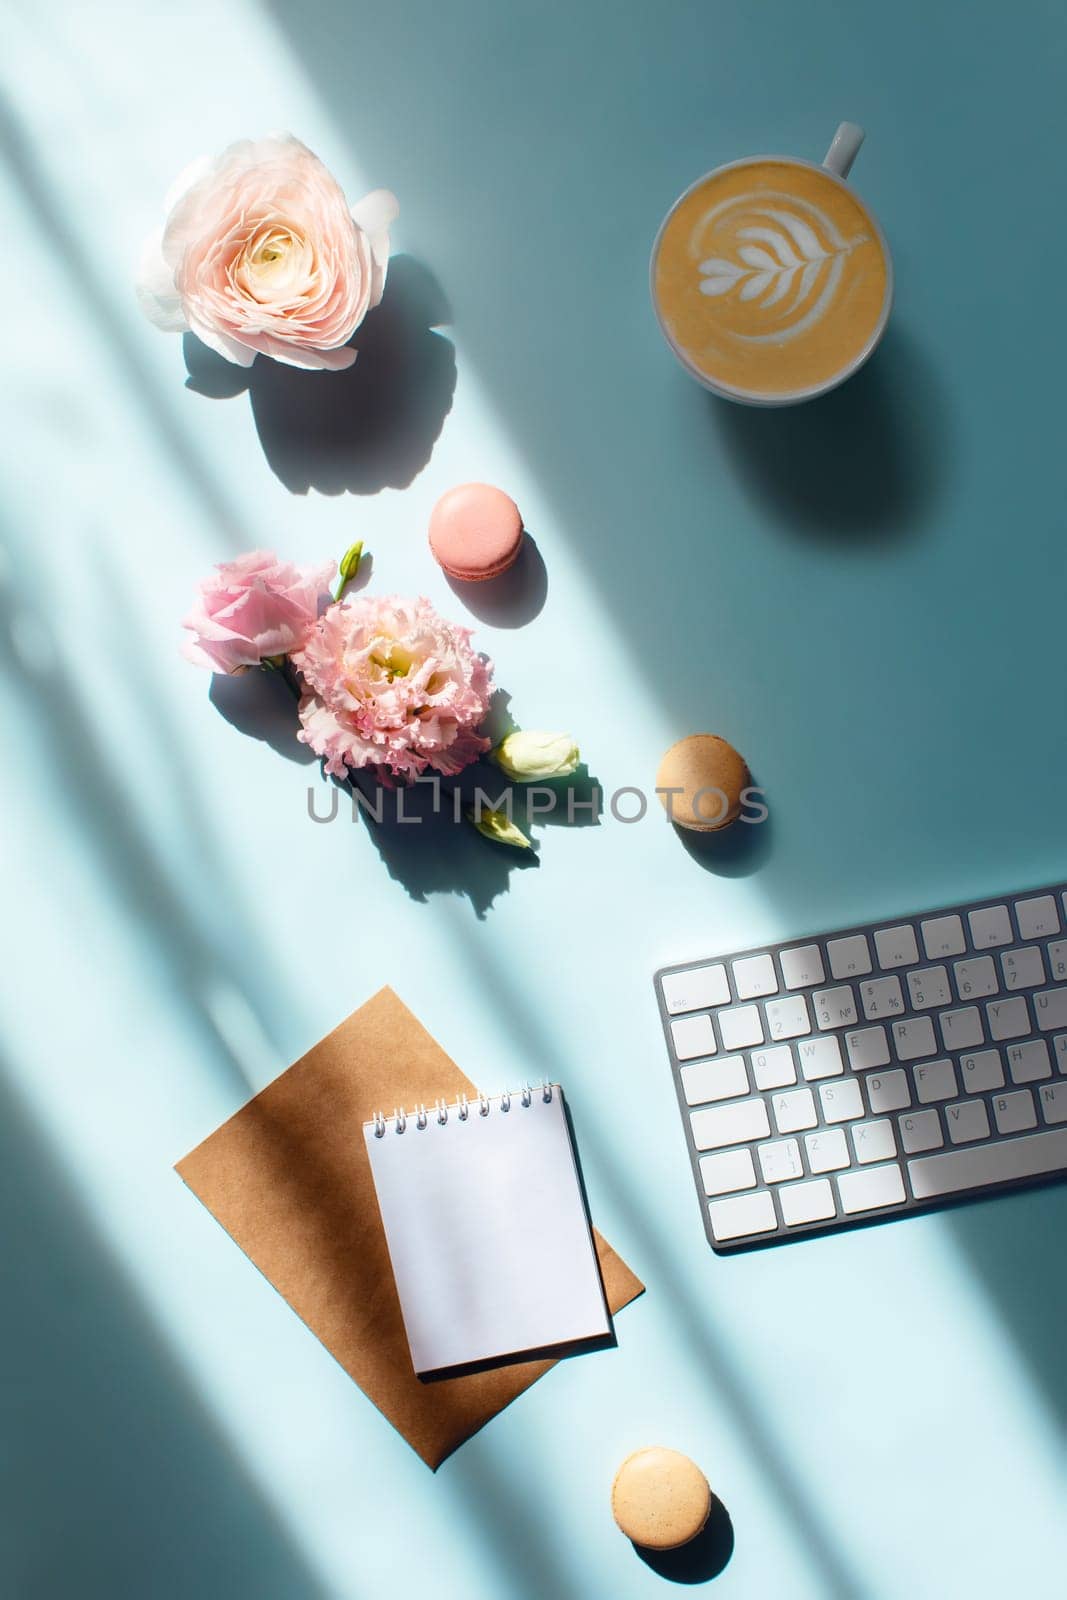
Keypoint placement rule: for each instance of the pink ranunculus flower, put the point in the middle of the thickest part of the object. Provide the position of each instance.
(260, 253)
(252, 608)
(390, 684)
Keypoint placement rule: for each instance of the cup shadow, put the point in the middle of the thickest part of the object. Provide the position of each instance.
(368, 428)
(703, 1558)
(863, 465)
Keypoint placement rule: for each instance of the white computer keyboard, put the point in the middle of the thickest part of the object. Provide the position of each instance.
(882, 1069)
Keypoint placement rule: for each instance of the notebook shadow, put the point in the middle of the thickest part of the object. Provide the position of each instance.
(863, 465)
(116, 1479)
(703, 1558)
(368, 428)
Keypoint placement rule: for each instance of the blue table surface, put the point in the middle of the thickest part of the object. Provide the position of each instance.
(866, 595)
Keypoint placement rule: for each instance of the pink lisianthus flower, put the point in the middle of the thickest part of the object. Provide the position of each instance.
(260, 253)
(253, 608)
(390, 684)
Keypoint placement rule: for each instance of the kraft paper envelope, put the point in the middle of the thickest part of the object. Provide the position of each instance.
(288, 1178)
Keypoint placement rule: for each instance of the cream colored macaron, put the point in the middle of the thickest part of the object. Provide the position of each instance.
(660, 1499)
(701, 780)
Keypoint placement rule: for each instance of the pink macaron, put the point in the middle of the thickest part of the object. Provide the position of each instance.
(475, 532)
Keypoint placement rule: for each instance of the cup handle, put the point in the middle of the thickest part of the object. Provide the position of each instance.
(844, 148)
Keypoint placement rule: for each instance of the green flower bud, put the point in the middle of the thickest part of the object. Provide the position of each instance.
(528, 757)
(498, 826)
(348, 566)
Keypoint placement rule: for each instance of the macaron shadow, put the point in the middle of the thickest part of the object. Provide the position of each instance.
(703, 1558)
(732, 852)
(512, 599)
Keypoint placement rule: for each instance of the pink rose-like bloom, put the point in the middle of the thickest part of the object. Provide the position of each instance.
(254, 607)
(391, 684)
(260, 253)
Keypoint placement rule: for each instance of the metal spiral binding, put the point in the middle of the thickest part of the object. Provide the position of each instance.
(462, 1109)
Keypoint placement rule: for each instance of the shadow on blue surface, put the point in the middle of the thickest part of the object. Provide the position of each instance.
(732, 852)
(91, 290)
(114, 1478)
(859, 469)
(515, 597)
(370, 427)
(1015, 1243)
(703, 1558)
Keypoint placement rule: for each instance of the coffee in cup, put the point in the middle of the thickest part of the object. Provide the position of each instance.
(770, 278)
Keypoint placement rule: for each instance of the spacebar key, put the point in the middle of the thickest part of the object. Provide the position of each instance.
(1028, 1157)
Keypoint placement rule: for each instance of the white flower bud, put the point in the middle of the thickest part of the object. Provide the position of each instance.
(528, 757)
(498, 826)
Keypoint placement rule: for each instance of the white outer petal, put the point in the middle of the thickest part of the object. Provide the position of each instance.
(158, 298)
(184, 181)
(230, 349)
(375, 214)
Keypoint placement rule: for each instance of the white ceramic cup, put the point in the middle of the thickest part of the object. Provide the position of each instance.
(836, 165)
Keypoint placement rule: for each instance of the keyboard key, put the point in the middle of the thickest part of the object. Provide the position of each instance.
(914, 1038)
(1028, 1157)
(929, 987)
(755, 976)
(696, 989)
(1014, 1113)
(788, 1019)
(1028, 1062)
(873, 1141)
(920, 1131)
(849, 958)
(966, 1121)
(1059, 1044)
(871, 1190)
(802, 966)
(981, 1071)
(780, 1161)
(896, 947)
(867, 1048)
(1037, 918)
(1023, 969)
(820, 1058)
(807, 1202)
(962, 1030)
(834, 1008)
(714, 1080)
(827, 1150)
(990, 927)
(841, 1102)
(794, 1111)
(693, 1036)
(943, 936)
(724, 1173)
(1057, 961)
(1050, 1008)
(745, 1214)
(936, 1080)
(1053, 1098)
(1008, 1019)
(888, 1091)
(739, 1123)
(976, 978)
(881, 997)
(773, 1069)
(740, 1027)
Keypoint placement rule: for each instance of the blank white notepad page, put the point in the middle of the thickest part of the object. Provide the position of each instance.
(487, 1232)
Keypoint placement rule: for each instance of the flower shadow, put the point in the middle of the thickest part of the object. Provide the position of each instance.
(368, 428)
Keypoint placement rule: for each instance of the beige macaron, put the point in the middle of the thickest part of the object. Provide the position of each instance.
(660, 1499)
(707, 777)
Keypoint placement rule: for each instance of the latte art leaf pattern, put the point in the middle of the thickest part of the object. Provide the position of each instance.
(784, 258)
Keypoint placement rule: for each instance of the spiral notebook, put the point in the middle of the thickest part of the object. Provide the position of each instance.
(487, 1230)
